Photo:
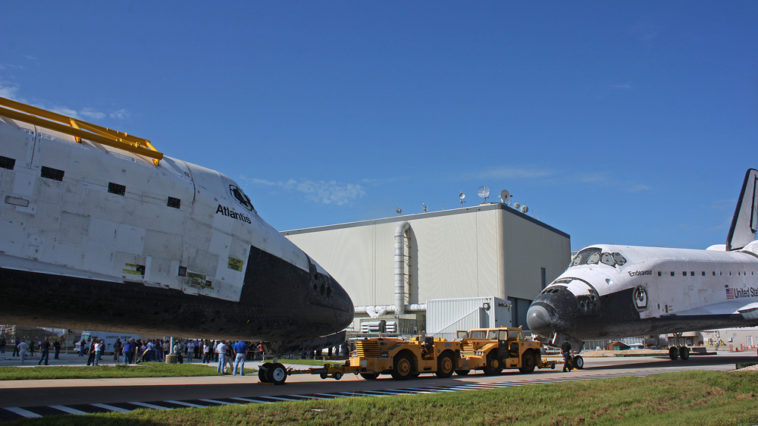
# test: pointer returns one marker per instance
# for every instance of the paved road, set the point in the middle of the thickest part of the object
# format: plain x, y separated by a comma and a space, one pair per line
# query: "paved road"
30, 398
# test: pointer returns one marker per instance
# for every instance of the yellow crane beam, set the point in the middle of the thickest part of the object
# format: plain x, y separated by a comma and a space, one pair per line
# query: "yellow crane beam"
79, 129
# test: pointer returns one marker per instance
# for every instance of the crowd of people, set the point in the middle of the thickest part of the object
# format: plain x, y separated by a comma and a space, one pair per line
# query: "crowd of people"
228, 356
22, 349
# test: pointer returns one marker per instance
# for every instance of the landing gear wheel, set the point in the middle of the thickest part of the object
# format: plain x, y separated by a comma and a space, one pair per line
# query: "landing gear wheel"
278, 374
264, 373
462, 372
493, 365
403, 367
684, 353
578, 362
370, 376
527, 362
445, 365
673, 353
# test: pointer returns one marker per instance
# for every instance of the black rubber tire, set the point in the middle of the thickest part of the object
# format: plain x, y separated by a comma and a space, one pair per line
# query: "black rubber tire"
402, 367
673, 353
337, 375
445, 365
370, 376
263, 372
528, 362
684, 353
462, 372
578, 362
492, 367
278, 374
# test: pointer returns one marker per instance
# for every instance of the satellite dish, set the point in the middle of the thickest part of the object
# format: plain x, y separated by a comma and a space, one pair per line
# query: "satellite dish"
504, 196
524, 208
461, 196
483, 192
516, 205
398, 210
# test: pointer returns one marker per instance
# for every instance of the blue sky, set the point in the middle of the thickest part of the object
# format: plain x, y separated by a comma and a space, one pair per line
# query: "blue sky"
617, 122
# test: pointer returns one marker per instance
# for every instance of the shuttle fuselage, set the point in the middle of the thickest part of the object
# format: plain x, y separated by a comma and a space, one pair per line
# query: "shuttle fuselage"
92, 236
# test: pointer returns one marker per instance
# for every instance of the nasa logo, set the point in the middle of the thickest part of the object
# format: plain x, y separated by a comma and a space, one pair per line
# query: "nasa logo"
640, 298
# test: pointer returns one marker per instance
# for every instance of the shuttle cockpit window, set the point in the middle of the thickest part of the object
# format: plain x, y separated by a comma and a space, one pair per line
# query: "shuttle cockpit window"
241, 197
587, 256
594, 255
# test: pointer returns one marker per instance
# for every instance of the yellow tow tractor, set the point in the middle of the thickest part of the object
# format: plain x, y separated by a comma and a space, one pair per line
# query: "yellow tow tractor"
495, 349
404, 359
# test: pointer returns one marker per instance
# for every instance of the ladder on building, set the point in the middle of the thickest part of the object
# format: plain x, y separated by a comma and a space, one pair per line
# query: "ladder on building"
79, 129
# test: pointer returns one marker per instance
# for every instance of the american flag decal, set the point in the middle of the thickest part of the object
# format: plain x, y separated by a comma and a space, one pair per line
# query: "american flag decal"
729, 293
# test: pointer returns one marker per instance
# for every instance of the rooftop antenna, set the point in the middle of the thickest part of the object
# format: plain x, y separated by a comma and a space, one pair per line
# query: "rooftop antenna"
423, 205
461, 196
483, 192
398, 210
505, 196
524, 209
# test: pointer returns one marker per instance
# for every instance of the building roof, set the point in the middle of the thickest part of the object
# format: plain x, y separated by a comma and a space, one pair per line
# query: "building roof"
462, 210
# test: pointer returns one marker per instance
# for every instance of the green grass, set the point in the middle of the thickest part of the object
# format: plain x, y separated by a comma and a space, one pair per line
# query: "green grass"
146, 369
698, 397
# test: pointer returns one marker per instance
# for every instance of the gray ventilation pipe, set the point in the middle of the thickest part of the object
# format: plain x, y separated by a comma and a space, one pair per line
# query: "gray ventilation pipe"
400, 267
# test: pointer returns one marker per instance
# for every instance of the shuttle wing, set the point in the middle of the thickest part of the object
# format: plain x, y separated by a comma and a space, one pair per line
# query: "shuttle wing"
745, 220
732, 307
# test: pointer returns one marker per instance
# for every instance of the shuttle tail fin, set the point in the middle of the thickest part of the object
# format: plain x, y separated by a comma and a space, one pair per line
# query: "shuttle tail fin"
745, 220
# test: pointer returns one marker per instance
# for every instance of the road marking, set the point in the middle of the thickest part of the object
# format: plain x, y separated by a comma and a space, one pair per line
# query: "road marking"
280, 398
110, 407
24, 413
148, 405
186, 404
215, 401
68, 410
256, 401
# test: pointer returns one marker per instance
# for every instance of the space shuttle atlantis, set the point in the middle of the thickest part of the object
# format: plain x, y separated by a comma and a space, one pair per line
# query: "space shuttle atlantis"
611, 291
99, 230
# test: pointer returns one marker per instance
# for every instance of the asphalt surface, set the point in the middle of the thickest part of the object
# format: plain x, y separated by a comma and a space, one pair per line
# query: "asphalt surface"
31, 398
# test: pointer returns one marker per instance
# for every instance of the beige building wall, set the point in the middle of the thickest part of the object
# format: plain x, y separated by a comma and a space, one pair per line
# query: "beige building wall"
487, 250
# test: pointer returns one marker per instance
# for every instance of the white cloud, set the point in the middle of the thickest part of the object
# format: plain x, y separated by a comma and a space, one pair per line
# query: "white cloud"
509, 172
120, 114
8, 91
622, 86
91, 114
321, 191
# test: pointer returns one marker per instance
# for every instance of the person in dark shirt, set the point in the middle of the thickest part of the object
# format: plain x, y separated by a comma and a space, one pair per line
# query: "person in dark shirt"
57, 348
566, 351
45, 349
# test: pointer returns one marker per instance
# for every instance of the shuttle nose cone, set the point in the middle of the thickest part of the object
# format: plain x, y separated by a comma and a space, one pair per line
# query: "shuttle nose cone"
538, 319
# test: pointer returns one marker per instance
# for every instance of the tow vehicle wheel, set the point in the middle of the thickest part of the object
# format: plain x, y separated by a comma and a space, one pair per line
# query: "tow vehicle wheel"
673, 353
684, 353
278, 374
462, 372
527, 362
403, 367
493, 365
445, 365
370, 376
578, 362
263, 373
337, 375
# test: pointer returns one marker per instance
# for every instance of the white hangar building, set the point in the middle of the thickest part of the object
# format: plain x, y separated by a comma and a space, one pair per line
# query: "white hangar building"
485, 262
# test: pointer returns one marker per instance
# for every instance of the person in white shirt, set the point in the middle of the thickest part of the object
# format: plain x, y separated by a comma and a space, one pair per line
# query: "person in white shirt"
221, 351
22, 348
98, 351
